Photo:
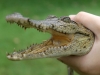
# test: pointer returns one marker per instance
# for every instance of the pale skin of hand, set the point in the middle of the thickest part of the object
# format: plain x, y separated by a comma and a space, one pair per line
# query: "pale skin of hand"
88, 64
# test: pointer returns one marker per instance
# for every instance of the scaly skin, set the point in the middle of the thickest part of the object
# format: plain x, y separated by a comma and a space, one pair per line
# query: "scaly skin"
68, 38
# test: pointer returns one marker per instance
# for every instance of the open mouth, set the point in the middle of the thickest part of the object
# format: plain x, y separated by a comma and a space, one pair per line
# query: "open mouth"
59, 40
63, 31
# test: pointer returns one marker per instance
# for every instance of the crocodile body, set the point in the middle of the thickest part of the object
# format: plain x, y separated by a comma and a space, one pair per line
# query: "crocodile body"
68, 38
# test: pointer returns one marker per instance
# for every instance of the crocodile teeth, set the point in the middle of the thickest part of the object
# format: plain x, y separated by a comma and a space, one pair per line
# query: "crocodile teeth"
58, 29
44, 27
7, 53
37, 26
56, 48
56, 42
55, 27
65, 47
51, 26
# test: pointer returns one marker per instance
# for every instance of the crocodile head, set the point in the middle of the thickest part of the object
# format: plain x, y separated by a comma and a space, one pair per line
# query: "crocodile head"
64, 31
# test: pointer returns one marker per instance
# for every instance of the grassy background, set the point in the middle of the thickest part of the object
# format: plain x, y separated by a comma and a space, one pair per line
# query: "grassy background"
12, 36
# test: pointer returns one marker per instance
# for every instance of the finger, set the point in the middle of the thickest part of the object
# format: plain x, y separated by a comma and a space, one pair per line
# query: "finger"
72, 61
72, 17
88, 20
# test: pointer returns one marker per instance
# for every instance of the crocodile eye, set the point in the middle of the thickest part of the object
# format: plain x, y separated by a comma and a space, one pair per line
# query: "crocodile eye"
66, 19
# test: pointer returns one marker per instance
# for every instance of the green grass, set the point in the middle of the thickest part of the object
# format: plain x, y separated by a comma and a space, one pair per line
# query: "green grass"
12, 36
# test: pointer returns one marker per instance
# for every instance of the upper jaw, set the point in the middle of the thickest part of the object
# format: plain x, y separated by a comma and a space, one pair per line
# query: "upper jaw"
51, 23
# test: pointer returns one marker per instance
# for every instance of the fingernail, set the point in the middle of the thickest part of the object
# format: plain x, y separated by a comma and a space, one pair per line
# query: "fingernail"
72, 16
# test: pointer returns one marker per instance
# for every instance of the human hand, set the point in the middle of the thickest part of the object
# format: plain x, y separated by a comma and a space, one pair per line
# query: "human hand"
88, 64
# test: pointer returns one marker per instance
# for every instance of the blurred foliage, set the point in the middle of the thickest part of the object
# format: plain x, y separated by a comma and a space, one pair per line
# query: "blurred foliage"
12, 36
